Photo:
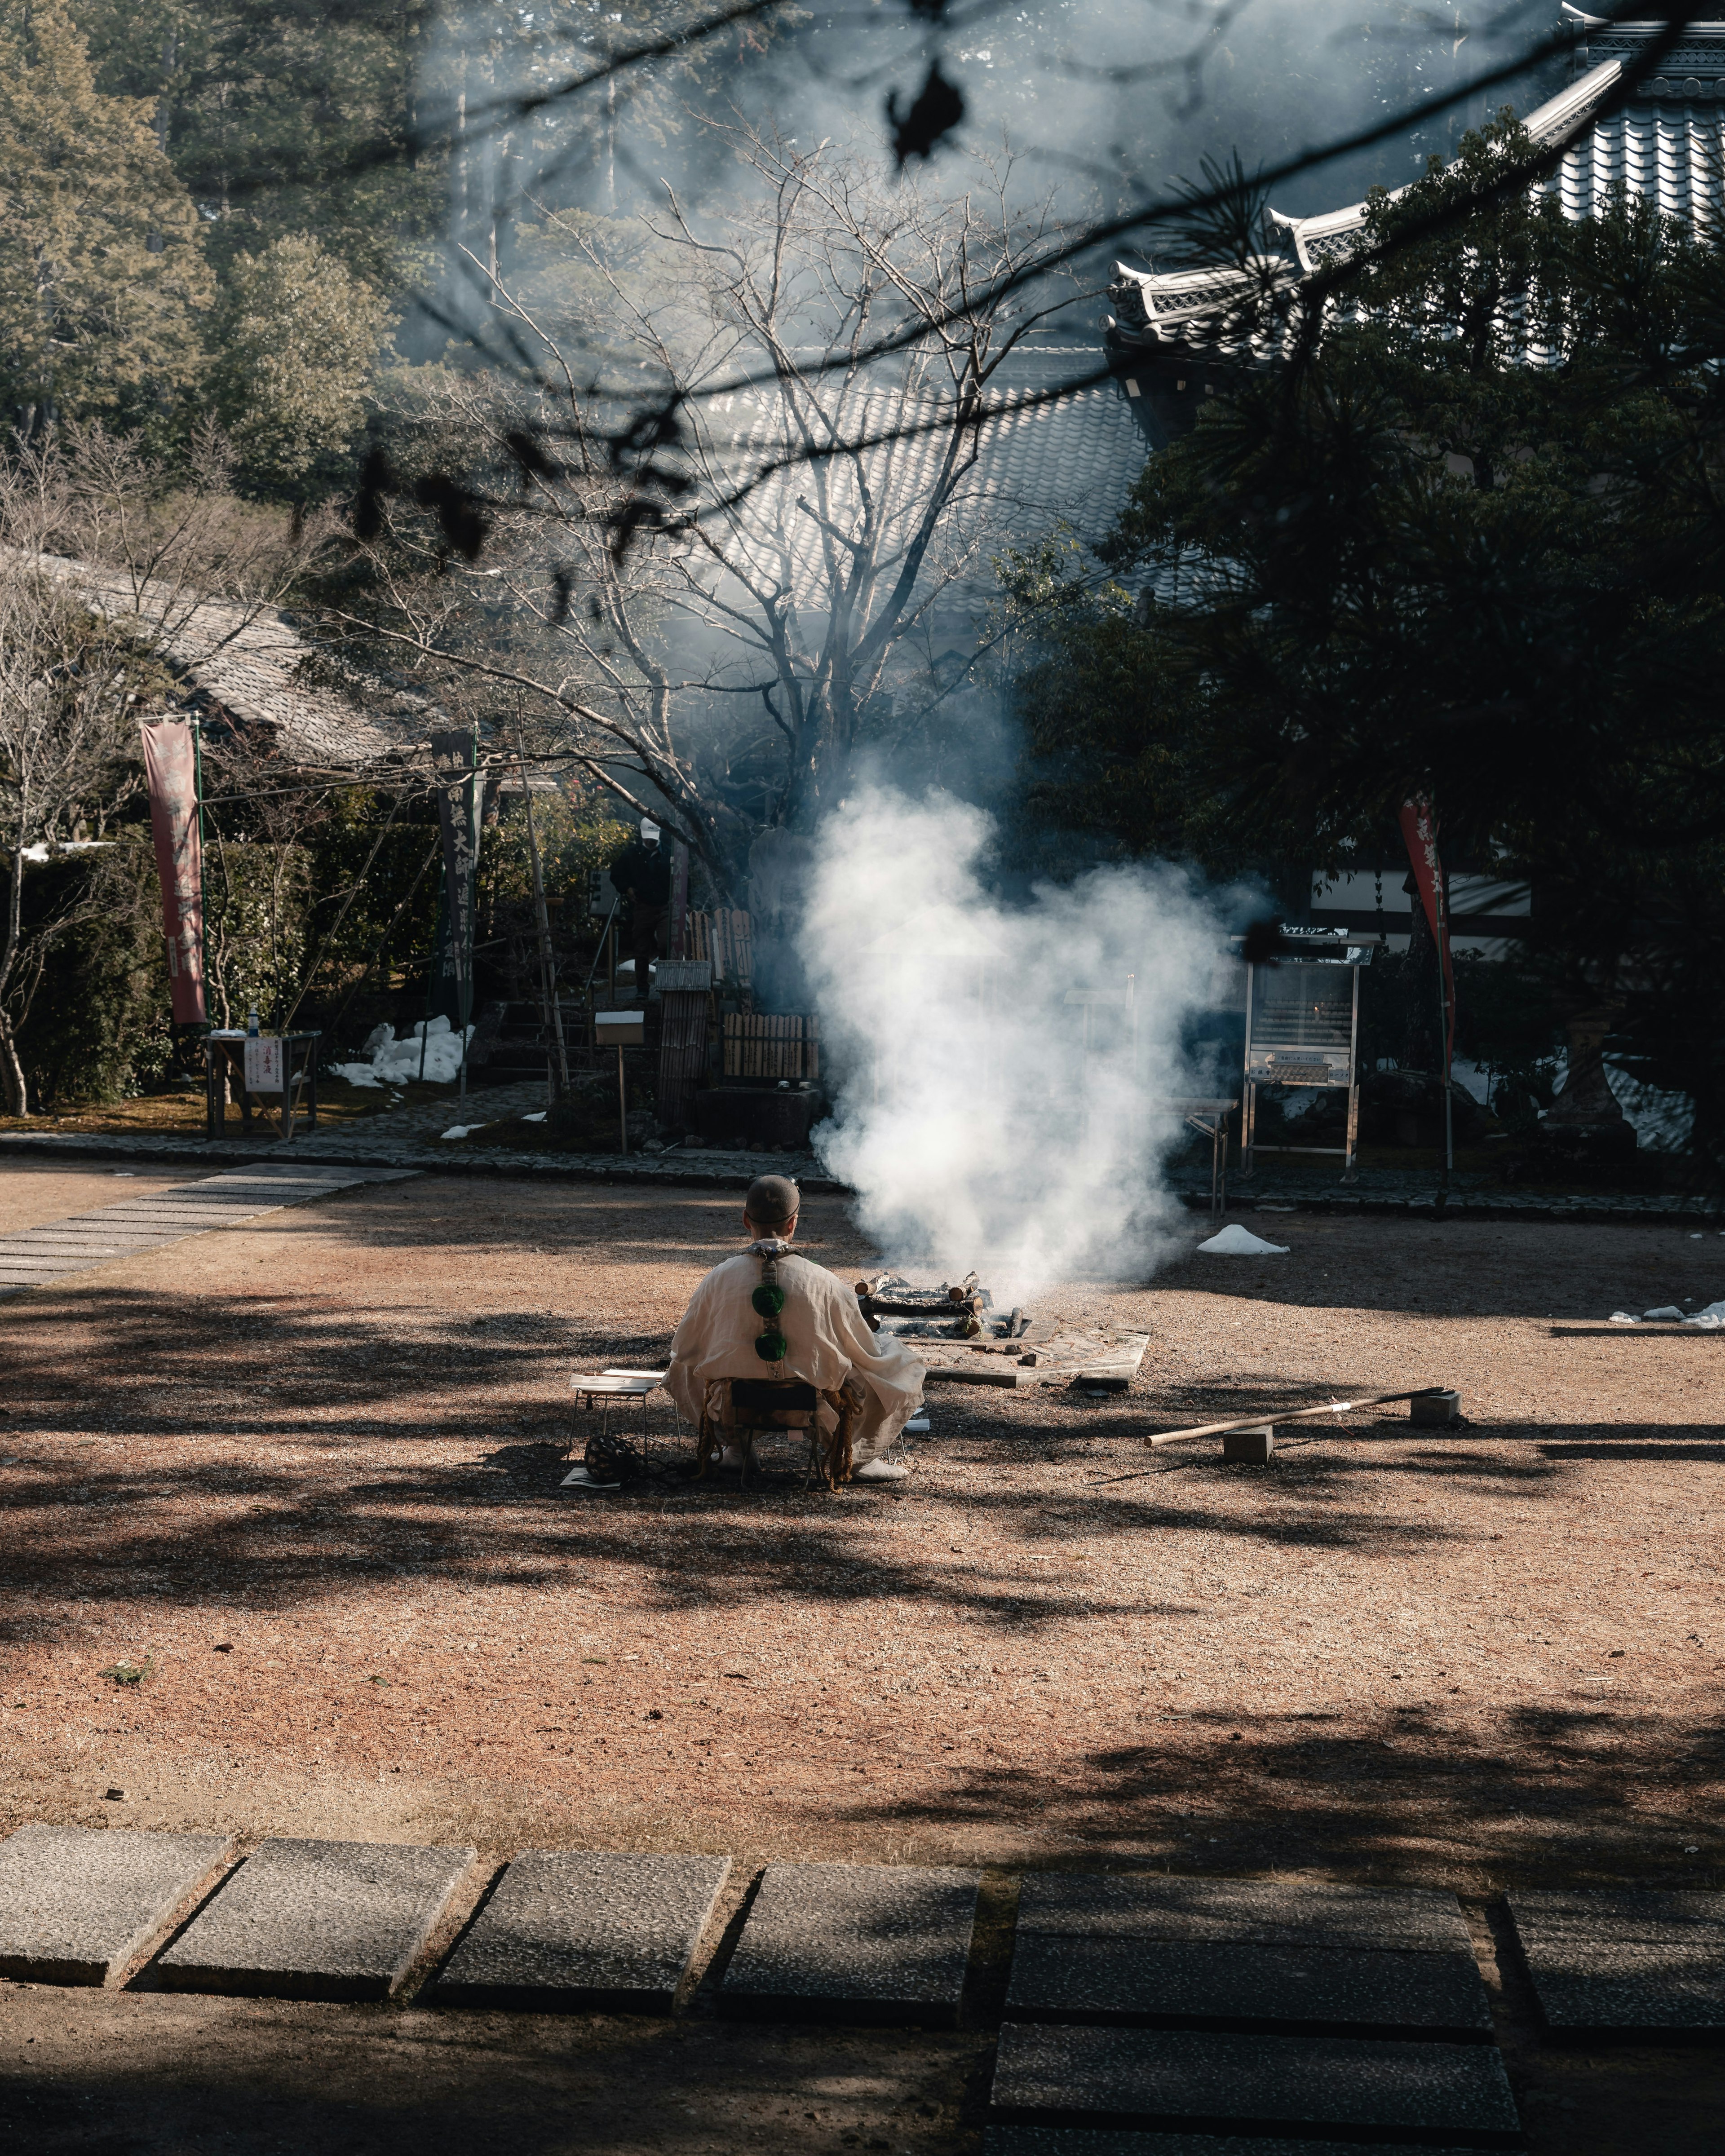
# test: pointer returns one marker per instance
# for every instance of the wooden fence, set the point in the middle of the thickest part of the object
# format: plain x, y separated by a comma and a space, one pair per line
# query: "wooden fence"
767, 1046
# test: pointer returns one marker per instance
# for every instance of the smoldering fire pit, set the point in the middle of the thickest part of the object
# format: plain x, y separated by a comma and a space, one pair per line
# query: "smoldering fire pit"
965, 1312
957, 1332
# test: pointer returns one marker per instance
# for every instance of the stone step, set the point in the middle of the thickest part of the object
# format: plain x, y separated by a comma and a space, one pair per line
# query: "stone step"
77, 1904
1605, 1963
571, 1928
855, 1942
1091, 2141
1236, 1911
316, 1920
1193, 2081
1183, 1952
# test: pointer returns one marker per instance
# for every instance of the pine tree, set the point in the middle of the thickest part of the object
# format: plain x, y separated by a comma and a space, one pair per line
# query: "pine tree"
102, 274
296, 340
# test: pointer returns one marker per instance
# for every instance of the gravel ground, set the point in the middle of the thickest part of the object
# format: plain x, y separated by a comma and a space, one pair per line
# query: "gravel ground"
307, 1472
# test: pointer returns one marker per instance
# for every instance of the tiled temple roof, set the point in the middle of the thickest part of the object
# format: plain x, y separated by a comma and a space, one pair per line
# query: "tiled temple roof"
1047, 454
1667, 146
250, 664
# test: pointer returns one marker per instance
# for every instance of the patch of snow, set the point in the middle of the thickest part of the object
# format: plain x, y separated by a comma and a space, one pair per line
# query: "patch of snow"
1237, 1242
398, 1062
41, 852
539, 1118
1666, 1314
1663, 1122
1712, 1318
1622, 1317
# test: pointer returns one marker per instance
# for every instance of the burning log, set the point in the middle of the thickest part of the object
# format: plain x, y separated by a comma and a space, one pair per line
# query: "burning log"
966, 1290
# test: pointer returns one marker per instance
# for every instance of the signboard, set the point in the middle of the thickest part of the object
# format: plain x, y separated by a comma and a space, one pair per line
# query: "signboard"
263, 1064
619, 1029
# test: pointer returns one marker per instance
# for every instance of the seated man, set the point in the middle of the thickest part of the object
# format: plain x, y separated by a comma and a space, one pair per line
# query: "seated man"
827, 1339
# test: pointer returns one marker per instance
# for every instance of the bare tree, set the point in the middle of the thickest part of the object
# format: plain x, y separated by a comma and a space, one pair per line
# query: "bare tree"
70, 689
777, 536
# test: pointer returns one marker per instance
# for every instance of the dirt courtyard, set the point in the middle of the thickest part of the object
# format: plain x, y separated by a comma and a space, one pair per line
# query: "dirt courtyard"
299, 1476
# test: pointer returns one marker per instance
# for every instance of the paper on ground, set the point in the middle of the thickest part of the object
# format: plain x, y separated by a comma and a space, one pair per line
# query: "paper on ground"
1237, 1242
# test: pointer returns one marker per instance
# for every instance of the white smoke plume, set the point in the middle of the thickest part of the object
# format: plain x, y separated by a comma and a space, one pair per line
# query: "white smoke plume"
985, 1114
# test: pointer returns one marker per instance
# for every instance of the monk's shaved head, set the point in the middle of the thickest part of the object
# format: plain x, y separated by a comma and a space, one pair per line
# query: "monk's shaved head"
772, 1200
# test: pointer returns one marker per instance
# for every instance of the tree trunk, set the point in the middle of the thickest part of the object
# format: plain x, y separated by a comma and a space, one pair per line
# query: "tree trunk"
12, 1071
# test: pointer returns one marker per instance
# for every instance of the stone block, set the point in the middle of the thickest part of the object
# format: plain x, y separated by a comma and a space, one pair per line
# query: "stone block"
575, 1929
1240, 1912
1252, 1447
1056, 1976
316, 1920
1288, 2084
78, 1903
1098, 2141
855, 1942
1434, 1410
1603, 1962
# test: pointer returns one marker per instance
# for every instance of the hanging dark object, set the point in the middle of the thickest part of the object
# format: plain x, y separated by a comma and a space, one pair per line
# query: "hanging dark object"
530, 458
457, 511
1260, 944
562, 585
375, 479
938, 110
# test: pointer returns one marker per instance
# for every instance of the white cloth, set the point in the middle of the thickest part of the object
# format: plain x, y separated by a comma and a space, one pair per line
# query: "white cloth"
828, 1342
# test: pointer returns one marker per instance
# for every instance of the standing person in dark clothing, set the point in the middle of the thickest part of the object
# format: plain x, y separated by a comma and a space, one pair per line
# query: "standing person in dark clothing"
642, 874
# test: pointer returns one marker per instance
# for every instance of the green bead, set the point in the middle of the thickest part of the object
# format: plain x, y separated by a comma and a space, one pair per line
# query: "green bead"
768, 1300
772, 1347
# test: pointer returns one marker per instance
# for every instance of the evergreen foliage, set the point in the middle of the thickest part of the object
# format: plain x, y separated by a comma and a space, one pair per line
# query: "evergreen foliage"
296, 342
102, 276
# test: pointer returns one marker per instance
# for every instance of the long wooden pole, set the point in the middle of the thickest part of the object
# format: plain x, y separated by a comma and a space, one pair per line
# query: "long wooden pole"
1287, 1414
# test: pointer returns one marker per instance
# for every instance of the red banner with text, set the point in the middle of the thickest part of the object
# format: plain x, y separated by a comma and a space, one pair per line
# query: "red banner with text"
171, 764
1419, 829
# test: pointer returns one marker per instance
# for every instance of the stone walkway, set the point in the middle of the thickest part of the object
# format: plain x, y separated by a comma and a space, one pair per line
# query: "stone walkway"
168, 1213
1300, 2008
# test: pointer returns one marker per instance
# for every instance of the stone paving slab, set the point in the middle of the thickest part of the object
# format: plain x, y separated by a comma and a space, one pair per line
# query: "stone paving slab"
855, 1942
575, 1929
1098, 2141
1290, 2085
1238, 1911
1602, 1962
1603, 1914
316, 1920
1056, 1977
78, 1903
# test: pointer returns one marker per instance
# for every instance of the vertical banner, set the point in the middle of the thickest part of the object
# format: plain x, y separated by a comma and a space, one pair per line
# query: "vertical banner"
454, 757
1420, 830
679, 901
170, 765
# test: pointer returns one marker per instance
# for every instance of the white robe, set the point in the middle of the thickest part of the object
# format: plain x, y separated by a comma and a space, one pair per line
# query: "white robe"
828, 1337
